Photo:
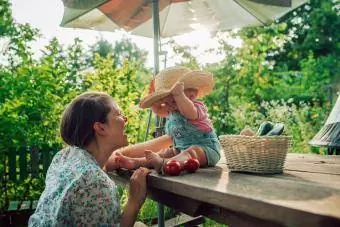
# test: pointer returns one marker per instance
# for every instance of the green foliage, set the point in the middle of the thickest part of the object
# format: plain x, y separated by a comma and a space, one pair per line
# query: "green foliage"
122, 51
125, 50
103, 47
285, 70
313, 27
148, 212
301, 121
123, 85
183, 54
30, 189
6, 20
34, 93
220, 102
208, 223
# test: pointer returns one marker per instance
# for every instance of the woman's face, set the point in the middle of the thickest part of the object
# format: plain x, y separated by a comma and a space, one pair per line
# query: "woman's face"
116, 127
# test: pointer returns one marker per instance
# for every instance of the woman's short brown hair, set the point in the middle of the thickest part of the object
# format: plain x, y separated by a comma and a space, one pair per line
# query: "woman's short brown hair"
76, 127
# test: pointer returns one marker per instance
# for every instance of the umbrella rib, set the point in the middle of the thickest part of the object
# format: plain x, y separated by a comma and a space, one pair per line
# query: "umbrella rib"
165, 19
236, 1
96, 6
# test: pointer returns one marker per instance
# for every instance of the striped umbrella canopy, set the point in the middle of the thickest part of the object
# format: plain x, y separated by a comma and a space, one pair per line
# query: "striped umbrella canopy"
166, 18
176, 17
329, 134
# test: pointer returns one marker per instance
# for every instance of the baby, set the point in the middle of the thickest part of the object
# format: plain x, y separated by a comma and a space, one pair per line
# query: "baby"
188, 131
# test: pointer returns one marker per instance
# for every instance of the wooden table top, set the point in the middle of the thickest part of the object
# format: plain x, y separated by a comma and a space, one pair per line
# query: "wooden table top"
307, 193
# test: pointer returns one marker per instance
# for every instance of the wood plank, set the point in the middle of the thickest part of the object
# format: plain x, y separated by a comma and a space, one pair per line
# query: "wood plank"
34, 204
264, 189
314, 168
293, 197
25, 205
34, 152
23, 164
329, 164
183, 220
312, 158
13, 205
12, 165
246, 198
328, 180
46, 159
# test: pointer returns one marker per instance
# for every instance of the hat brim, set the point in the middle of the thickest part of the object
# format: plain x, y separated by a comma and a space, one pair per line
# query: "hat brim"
200, 80
151, 99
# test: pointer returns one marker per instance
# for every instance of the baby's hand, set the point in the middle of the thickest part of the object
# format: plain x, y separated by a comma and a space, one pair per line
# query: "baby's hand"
159, 109
177, 89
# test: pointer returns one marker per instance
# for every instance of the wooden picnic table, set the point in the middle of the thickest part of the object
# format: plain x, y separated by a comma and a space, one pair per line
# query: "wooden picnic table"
306, 194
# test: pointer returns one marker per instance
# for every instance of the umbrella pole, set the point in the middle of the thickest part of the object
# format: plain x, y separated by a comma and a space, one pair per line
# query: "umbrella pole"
159, 128
155, 16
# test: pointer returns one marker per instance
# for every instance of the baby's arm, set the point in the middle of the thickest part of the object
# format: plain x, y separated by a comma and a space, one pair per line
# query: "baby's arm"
185, 106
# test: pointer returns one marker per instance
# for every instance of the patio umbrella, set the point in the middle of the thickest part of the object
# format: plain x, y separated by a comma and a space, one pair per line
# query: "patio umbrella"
166, 18
175, 16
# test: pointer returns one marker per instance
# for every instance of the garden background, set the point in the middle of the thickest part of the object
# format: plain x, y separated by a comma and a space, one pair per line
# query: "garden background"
288, 71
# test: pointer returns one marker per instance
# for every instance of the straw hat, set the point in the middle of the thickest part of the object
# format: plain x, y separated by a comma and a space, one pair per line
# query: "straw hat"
164, 80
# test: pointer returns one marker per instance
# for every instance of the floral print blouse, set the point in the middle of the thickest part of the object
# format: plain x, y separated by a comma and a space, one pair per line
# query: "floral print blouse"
77, 193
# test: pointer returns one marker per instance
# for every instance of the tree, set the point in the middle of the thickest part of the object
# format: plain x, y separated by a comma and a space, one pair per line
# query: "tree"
311, 60
102, 47
121, 51
222, 99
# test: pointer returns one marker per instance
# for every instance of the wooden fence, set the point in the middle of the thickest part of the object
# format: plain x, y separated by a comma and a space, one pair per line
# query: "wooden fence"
26, 162
19, 165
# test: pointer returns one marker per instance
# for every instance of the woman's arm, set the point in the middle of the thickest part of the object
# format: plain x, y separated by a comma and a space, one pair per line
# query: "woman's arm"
129, 215
156, 144
137, 196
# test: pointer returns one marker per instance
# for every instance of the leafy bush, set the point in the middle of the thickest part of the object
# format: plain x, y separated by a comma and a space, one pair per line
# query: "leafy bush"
302, 121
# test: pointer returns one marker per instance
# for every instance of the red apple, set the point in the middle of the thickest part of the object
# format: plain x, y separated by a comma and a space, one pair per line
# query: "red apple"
172, 168
191, 165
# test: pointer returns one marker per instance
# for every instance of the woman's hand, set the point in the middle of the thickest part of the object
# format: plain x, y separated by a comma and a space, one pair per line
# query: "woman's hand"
137, 190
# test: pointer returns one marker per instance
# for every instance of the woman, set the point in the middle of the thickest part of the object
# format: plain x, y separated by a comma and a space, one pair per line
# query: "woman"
78, 191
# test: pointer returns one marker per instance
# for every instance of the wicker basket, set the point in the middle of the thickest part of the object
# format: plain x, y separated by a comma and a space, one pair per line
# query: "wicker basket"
255, 154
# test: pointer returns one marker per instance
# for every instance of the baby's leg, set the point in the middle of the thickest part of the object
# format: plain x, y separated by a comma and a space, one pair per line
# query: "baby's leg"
168, 152
154, 160
198, 153
121, 161
157, 159
157, 162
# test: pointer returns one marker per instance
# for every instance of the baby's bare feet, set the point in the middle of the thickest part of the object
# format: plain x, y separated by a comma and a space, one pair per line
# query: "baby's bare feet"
127, 163
112, 163
154, 160
120, 161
